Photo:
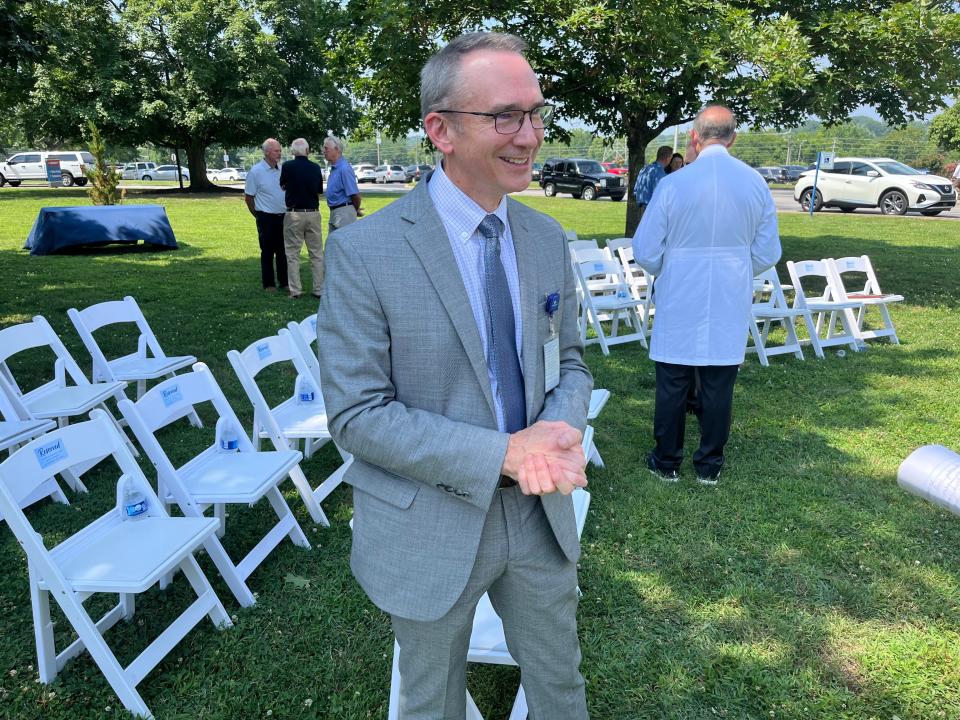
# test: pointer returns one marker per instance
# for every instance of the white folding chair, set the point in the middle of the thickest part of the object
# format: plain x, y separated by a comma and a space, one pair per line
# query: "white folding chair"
828, 306
770, 306
578, 245
488, 643
598, 398
214, 477
113, 554
617, 304
148, 362
639, 280
571, 235
16, 428
869, 294
55, 399
291, 421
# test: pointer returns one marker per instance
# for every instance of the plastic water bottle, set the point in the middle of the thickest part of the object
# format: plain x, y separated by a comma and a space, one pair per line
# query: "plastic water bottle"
133, 502
304, 390
227, 439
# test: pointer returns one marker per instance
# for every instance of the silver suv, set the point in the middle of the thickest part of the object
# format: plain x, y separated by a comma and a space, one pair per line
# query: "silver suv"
893, 187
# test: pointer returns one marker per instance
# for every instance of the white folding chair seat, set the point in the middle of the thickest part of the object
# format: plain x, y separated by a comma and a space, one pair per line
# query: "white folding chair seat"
638, 280
111, 555
56, 399
618, 304
289, 422
770, 306
869, 295
215, 478
835, 323
138, 366
488, 643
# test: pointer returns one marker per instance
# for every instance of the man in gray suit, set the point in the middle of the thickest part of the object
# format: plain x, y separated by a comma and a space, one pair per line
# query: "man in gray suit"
452, 371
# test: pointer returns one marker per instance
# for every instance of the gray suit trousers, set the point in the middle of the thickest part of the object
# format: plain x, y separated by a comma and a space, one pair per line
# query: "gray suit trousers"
533, 587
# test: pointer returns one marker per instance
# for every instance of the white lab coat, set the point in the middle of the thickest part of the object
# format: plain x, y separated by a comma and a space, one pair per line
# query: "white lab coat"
708, 230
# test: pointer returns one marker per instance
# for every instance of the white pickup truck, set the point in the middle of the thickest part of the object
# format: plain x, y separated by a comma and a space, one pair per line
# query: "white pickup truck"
32, 165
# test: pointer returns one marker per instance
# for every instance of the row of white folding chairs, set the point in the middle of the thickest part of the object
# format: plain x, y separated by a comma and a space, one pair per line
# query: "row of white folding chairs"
611, 288
834, 312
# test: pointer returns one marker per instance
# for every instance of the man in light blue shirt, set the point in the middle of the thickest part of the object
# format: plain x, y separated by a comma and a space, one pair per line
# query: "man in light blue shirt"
343, 194
649, 177
266, 203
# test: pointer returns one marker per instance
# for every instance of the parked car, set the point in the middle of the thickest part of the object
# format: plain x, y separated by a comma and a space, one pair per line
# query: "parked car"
537, 167
895, 188
231, 174
32, 165
614, 168
140, 170
169, 172
390, 173
581, 178
772, 174
365, 173
792, 172
415, 172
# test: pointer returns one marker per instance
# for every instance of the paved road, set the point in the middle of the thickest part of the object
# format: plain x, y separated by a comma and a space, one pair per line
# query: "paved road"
786, 203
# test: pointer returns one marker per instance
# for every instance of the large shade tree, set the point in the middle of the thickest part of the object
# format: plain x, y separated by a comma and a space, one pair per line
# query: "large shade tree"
187, 73
636, 68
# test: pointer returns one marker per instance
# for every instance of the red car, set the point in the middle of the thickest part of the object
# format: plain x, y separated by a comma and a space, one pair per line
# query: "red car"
614, 168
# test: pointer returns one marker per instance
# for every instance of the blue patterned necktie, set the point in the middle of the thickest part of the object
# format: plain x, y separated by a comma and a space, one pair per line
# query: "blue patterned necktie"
502, 357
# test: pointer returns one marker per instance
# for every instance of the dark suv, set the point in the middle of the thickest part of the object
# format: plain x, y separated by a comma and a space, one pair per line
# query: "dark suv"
581, 178
772, 174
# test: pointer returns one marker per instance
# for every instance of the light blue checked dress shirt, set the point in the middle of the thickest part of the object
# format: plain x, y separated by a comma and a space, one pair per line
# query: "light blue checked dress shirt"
461, 216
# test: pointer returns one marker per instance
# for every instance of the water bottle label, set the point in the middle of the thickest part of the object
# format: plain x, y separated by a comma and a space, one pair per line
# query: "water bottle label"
50, 453
313, 322
598, 267
307, 396
171, 395
263, 351
230, 443
134, 509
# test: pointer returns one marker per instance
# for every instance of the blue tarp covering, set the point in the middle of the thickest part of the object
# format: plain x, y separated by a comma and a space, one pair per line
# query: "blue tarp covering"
59, 228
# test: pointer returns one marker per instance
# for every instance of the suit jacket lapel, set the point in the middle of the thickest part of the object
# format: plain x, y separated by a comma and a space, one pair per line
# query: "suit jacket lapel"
525, 247
428, 238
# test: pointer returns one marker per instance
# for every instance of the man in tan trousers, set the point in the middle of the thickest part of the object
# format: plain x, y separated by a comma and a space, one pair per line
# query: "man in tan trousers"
302, 183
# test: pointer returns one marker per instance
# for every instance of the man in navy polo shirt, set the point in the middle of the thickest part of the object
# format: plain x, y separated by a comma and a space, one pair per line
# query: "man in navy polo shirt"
302, 181
343, 194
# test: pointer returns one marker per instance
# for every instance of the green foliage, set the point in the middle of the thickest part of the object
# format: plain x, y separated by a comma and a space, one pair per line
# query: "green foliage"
945, 129
104, 180
807, 585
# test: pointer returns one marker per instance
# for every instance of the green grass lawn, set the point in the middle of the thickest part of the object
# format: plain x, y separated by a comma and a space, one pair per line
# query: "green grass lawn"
807, 585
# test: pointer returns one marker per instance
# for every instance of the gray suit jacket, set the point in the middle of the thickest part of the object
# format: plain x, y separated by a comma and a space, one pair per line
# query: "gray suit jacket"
406, 390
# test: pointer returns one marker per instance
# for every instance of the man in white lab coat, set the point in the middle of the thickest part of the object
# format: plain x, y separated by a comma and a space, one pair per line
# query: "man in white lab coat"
707, 232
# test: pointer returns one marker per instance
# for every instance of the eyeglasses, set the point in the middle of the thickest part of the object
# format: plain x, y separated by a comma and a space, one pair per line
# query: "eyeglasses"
509, 122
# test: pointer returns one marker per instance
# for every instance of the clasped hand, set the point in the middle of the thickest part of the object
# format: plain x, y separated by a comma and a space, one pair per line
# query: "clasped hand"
545, 458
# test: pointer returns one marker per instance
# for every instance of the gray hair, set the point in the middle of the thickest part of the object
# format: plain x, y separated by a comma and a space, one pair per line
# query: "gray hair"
439, 78
333, 140
712, 125
266, 143
300, 147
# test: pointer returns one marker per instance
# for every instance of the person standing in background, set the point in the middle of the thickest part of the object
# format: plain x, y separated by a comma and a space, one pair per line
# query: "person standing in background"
302, 182
707, 233
650, 176
266, 203
343, 194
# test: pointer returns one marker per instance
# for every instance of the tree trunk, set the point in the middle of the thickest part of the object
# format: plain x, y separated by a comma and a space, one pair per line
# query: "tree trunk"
638, 136
197, 164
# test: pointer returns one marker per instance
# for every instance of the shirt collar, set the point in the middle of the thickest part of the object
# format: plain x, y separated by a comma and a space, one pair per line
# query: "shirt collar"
713, 149
459, 211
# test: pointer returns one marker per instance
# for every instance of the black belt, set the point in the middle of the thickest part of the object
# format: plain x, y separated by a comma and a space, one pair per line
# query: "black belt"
506, 482
302, 210
337, 207
264, 212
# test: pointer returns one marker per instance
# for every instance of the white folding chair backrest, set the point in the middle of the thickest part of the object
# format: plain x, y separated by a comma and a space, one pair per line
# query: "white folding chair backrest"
578, 245
111, 555
36, 334
213, 477
803, 269
768, 292
830, 305
866, 290
95, 317
303, 342
571, 235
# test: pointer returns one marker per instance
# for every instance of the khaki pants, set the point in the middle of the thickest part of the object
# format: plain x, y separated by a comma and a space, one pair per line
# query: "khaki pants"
300, 228
341, 217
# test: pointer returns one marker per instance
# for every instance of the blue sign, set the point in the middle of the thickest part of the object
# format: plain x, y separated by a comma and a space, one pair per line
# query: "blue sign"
50, 453
54, 174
